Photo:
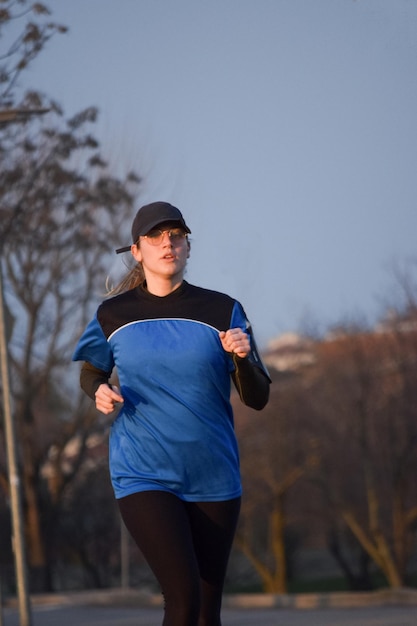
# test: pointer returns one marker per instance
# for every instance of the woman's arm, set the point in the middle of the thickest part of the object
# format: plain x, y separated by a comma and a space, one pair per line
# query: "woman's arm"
251, 382
95, 383
91, 378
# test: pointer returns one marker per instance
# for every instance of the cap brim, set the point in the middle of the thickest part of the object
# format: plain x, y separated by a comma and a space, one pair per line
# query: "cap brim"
125, 249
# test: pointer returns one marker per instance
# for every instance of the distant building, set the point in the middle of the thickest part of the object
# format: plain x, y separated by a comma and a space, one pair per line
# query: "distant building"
289, 352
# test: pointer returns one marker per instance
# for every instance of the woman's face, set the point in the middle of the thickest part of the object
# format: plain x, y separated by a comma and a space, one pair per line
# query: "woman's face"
165, 259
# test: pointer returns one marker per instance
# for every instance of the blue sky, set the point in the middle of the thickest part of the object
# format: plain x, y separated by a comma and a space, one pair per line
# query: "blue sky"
285, 130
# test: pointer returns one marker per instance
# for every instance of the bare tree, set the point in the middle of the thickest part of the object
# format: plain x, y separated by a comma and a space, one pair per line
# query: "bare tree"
61, 215
25, 29
335, 454
365, 398
275, 454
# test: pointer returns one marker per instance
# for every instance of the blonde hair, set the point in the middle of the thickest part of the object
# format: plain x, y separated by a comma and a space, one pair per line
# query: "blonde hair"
133, 278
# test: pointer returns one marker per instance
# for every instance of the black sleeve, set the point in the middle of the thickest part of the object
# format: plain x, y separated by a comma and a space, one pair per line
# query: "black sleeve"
251, 381
91, 378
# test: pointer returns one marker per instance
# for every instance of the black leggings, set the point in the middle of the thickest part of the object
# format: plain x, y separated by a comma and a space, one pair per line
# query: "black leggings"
187, 546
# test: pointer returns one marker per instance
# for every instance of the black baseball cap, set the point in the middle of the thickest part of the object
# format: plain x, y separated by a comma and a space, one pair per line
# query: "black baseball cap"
150, 216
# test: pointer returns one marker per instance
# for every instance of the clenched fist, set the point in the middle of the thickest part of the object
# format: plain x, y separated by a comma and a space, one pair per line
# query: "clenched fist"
235, 340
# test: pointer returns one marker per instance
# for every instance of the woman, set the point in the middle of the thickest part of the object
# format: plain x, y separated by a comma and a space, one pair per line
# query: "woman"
173, 453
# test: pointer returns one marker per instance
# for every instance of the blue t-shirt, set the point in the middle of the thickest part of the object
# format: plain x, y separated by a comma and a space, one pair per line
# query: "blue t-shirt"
175, 430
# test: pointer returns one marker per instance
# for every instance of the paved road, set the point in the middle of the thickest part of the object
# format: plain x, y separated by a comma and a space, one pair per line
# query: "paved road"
93, 616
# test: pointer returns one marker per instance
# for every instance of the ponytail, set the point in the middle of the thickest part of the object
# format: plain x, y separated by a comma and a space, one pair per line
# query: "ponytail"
133, 278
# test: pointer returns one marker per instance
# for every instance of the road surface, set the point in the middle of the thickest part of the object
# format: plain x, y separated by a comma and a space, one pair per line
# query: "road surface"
111, 616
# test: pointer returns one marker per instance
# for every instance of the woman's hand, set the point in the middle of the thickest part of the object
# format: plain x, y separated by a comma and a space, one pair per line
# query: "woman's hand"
107, 397
235, 340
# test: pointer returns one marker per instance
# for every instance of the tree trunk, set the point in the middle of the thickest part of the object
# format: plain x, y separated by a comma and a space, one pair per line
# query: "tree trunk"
377, 548
35, 544
278, 546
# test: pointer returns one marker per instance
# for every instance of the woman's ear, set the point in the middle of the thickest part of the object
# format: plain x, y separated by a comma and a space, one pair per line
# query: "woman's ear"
136, 252
188, 249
